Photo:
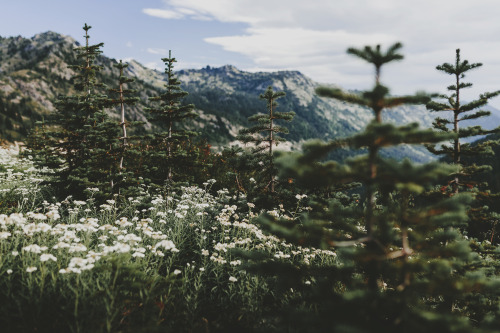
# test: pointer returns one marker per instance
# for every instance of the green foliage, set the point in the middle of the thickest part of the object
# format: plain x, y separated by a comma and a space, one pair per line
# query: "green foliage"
460, 112
81, 140
262, 157
376, 57
466, 155
169, 155
16, 118
402, 257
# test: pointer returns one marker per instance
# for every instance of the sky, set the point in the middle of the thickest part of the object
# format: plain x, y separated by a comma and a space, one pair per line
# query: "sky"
269, 35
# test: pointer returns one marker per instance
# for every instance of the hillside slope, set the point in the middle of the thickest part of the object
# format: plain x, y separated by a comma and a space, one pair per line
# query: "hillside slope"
34, 72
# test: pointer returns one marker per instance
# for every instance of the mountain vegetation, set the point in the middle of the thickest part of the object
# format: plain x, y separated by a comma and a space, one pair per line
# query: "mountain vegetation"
264, 135
35, 71
482, 218
170, 113
118, 216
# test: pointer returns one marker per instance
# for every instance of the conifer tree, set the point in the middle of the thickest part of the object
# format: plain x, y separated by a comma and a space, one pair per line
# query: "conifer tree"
377, 99
170, 113
81, 134
482, 219
399, 260
266, 123
461, 112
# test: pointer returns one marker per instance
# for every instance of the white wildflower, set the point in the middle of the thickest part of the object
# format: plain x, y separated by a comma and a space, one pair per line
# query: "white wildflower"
47, 256
36, 216
123, 222
53, 215
16, 219
105, 207
34, 248
166, 244
103, 238
31, 269
61, 245
78, 247
5, 234
138, 254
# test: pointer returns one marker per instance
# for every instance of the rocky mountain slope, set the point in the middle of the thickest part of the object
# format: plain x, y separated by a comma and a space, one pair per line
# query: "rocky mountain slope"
34, 72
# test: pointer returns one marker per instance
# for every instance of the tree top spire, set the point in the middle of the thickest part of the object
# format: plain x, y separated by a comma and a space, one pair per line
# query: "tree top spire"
377, 57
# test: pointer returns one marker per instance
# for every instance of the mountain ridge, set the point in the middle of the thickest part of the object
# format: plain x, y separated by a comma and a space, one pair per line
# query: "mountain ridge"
35, 71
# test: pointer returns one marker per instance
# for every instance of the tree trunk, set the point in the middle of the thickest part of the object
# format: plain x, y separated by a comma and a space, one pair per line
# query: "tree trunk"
271, 164
456, 153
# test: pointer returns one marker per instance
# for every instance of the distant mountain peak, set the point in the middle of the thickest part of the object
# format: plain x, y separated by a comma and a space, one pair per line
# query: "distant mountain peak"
51, 36
229, 68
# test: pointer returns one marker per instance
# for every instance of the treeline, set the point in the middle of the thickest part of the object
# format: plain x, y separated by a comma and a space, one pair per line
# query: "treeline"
417, 242
86, 148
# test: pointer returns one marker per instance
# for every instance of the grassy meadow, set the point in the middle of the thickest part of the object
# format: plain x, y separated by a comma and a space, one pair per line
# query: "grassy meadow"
160, 262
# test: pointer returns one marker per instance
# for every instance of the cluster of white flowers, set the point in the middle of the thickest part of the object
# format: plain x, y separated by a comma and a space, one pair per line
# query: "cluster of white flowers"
34, 248
47, 257
86, 233
300, 196
64, 241
19, 175
244, 234
167, 245
77, 265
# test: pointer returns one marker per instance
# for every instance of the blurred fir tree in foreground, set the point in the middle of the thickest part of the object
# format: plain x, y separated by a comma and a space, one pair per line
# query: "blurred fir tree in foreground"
403, 265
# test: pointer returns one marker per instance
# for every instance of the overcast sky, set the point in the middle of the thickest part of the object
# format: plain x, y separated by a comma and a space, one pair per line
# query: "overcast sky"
267, 35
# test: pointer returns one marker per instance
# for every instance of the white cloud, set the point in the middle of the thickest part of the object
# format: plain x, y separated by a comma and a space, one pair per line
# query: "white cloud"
154, 65
292, 46
163, 13
129, 44
176, 13
312, 36
161, 52
246, 11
